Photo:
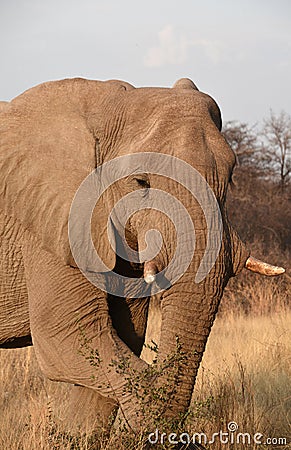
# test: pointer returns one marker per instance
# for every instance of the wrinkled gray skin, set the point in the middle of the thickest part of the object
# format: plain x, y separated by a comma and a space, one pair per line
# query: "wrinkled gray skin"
52, 137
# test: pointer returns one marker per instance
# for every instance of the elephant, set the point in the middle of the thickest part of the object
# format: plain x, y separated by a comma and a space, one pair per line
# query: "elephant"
53, 137
3, 105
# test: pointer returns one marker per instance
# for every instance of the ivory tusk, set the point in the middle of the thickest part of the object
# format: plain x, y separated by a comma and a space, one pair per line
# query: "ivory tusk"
150, 271
257, 266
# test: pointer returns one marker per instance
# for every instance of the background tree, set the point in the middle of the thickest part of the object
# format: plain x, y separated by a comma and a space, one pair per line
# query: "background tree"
243, 140
276, 147
261, 213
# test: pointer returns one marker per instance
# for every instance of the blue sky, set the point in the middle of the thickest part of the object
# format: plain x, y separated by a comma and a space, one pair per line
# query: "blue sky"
237, 51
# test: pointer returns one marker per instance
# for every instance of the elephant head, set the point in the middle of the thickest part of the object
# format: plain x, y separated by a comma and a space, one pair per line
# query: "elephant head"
162, 140
3, 105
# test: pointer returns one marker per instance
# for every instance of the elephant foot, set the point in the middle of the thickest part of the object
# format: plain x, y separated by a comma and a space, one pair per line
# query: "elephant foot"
88, 411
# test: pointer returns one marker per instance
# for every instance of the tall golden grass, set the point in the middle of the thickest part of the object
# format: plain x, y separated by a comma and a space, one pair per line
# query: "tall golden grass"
245, 378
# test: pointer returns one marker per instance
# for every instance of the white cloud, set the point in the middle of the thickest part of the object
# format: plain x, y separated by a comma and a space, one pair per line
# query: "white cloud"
175, 48
171, 49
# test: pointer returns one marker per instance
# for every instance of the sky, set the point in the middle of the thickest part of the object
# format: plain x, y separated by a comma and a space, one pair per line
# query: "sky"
238, 51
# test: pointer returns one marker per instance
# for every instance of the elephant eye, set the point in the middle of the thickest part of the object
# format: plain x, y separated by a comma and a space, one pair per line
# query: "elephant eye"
143, 182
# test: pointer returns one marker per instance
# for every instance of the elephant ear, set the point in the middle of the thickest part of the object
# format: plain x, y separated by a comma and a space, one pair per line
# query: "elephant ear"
47, 150
185, 83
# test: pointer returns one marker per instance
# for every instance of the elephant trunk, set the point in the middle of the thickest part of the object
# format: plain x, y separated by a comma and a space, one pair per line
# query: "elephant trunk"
183, 339
188, 311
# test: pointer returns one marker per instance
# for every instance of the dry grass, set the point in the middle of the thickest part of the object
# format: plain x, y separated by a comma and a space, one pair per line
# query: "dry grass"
245, 377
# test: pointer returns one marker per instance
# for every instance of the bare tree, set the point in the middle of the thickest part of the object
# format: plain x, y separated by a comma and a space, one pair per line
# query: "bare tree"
276, 150
260, 211
243, 140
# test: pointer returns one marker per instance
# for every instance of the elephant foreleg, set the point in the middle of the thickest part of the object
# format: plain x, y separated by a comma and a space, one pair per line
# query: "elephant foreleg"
70, 320
153, 330
14, 316
88, 411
